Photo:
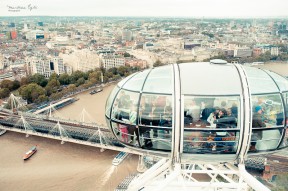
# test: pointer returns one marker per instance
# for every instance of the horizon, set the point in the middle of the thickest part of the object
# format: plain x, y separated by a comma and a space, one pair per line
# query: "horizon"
169, 17
149, 8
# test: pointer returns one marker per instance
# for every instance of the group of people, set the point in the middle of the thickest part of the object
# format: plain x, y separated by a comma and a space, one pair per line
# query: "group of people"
153, 111
125, 110
214, 117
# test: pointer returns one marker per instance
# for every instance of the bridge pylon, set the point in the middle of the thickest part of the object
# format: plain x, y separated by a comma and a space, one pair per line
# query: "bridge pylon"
59, 131
26, 126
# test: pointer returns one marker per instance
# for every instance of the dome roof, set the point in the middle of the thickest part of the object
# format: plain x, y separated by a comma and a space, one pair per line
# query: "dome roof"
199, 110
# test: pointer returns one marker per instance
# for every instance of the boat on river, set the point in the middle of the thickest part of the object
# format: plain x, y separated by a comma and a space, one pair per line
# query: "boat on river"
119, 158
96, 91
29, 153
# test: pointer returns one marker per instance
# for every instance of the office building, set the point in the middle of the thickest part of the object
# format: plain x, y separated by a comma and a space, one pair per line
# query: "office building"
112, 60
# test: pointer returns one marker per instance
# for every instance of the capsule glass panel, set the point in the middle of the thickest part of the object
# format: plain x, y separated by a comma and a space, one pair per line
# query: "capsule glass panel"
267, 122
110, 100
122, 82
211, 124
259, 81
209, 79
136, 83
285, 139
155, 122
159, 80
280, 80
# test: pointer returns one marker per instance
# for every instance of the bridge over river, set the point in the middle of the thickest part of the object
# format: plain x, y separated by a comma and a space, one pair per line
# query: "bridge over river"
64, 130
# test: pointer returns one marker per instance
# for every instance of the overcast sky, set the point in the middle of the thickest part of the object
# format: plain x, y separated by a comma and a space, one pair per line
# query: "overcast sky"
172, 8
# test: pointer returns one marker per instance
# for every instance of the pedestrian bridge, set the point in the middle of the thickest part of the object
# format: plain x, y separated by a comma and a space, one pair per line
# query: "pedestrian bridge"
90, 134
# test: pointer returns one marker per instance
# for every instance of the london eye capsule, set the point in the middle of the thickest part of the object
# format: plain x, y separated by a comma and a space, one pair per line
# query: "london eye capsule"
206, 111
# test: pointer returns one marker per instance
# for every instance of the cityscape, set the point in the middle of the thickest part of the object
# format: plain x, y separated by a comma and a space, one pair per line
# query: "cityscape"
52, 65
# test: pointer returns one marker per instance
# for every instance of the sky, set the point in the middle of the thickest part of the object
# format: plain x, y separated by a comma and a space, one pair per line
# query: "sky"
158, 8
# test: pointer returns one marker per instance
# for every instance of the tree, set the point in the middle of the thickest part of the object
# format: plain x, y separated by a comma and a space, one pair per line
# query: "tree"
31, 92
64, 79
116, 77
283, 48
113, 70
4, 92
7, 84
126, 54
11, 85
56, 96
16, 85
75, 76
38, 79
158, 63
80, 81
71, 87
95, 77
24, 81
53, 76
41, 99
122, 70
52, 86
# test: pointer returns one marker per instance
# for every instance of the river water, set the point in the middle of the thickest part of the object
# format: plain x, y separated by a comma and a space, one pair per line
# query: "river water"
90, 108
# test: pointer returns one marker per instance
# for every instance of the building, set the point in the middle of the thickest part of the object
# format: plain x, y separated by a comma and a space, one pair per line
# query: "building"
136, 63
82, 60
58, 65
242, 53
274, 51
256, 52
35, 34
13, 35
40, 24
148, 46
45, 66
68, 69
190, 45
127, 35
112, 60
12, 25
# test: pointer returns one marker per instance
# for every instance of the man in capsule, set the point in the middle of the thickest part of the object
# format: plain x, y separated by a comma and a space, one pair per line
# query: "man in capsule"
257, 122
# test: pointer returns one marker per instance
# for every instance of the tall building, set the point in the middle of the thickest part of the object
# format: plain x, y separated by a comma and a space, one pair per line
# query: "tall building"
127, 35
82, 60
112, 60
